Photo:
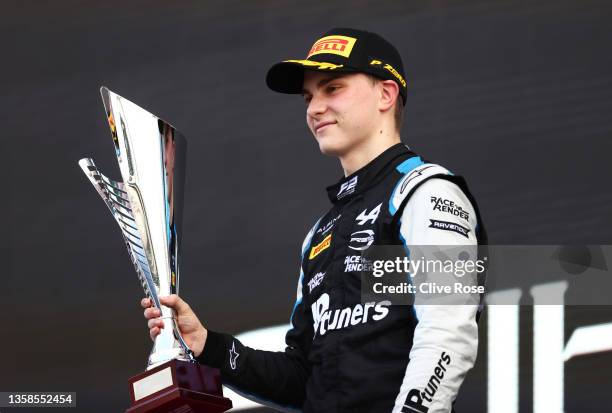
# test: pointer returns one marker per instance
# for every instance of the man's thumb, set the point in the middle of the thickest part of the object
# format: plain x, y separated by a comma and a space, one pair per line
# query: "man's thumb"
175, 302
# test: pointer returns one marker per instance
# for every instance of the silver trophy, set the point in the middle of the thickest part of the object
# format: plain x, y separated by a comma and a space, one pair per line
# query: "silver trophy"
147, 206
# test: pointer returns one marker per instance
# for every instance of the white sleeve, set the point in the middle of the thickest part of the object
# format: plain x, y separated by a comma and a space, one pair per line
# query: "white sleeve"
446, 336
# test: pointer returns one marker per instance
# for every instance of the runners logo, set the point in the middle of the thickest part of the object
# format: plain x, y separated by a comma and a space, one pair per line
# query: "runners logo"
340, 45
322, 246
325, 320
416, 399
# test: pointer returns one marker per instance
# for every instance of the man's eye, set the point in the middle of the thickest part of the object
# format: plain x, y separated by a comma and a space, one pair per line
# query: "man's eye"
332, 88
307, 98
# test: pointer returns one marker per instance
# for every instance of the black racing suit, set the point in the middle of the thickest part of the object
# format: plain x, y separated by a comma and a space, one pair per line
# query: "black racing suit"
346, 356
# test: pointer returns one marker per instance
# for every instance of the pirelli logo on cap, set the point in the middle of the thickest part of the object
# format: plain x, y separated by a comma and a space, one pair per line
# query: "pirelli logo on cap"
322, 246
340, 45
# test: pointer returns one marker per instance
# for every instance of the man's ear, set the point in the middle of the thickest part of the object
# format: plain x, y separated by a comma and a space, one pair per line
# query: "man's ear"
389, 91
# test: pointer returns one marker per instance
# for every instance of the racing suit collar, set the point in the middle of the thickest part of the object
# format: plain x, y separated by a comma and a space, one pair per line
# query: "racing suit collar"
348, 187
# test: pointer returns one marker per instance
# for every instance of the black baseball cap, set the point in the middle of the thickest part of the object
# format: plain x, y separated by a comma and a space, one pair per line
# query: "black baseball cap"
341, 50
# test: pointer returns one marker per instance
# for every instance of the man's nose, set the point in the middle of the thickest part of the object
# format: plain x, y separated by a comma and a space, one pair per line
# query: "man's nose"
316, 106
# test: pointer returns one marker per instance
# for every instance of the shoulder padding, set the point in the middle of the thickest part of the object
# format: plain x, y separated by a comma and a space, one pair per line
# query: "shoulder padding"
408, 184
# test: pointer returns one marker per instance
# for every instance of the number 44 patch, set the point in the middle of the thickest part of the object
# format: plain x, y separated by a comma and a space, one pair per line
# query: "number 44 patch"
366, 216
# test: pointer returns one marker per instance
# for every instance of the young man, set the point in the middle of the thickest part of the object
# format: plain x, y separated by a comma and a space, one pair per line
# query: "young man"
343, 355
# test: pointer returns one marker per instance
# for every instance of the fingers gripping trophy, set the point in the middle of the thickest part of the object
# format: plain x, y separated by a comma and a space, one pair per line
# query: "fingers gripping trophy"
147, 206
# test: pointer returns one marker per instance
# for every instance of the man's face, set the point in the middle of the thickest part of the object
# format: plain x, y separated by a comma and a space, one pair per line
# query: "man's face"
342, 110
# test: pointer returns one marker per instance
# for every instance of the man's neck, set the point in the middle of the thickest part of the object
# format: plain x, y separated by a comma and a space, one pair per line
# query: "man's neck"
365, 153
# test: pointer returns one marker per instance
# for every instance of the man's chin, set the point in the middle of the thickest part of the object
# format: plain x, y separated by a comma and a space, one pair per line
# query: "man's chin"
330, 148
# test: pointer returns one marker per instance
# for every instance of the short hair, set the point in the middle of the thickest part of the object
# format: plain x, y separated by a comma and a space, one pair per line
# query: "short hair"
398, 114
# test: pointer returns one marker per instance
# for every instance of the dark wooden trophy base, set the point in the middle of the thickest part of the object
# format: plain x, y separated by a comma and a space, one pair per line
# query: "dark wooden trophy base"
178, 387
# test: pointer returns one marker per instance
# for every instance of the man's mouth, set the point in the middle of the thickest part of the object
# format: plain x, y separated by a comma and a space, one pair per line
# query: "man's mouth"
319, 127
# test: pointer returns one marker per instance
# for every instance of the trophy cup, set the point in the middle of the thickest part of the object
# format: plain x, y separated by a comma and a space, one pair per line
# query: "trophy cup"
147, 205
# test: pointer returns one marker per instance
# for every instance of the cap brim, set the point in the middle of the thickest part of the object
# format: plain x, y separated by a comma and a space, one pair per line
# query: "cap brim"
288, 76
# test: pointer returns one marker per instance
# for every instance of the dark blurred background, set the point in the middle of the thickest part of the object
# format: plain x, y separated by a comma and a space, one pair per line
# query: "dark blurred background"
514, 95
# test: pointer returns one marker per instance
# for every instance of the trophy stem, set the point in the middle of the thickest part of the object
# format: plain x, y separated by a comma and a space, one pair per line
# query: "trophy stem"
167, 346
